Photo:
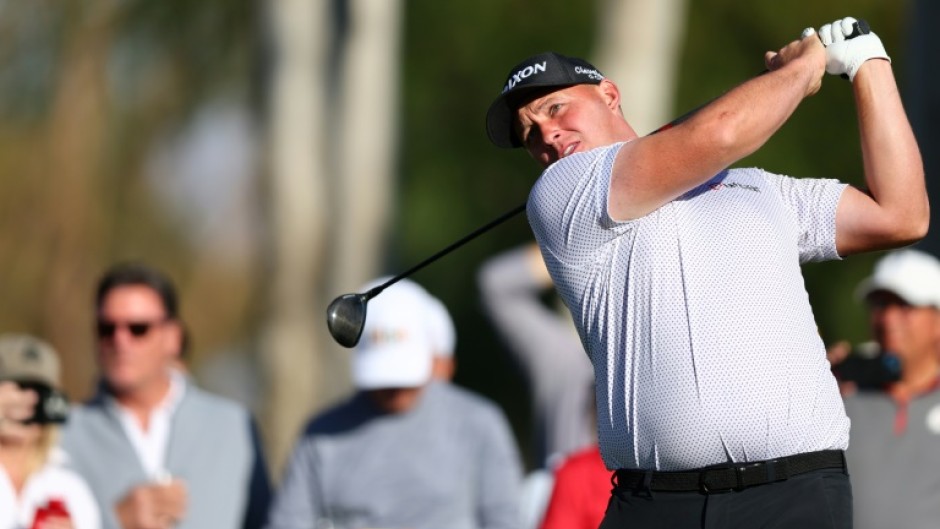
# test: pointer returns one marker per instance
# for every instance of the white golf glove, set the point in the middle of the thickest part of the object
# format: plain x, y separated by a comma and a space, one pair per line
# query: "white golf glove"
845, 53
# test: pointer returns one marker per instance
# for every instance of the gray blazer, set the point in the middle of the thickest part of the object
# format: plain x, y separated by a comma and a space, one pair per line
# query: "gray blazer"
213, 447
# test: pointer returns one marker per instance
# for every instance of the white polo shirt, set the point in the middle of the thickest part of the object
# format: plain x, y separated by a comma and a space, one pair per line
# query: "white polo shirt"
696, 317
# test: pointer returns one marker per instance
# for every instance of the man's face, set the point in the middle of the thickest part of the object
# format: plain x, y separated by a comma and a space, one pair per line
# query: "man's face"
578, 118
136, 342
908, 331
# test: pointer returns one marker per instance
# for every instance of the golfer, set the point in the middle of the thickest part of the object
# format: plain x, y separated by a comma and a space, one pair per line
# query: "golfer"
715, 402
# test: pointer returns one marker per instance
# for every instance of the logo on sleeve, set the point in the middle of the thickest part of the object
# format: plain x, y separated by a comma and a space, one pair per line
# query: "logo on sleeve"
717, 186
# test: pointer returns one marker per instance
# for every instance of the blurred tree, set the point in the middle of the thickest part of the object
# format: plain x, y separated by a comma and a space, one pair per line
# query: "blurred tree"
333, 112
298, 215
638, 45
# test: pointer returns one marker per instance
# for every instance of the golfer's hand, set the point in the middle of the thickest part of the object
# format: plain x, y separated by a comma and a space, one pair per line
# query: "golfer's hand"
845, 52
16, 405
152, 506
808, 52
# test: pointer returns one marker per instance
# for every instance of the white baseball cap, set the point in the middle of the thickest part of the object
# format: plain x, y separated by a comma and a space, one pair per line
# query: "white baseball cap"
912, 275
441, 327
395, 350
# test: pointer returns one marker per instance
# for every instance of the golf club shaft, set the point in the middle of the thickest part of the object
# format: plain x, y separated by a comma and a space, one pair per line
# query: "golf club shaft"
453, 246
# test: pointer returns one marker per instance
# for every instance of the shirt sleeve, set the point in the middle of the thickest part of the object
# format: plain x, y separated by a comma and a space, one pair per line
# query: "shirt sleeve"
813, 201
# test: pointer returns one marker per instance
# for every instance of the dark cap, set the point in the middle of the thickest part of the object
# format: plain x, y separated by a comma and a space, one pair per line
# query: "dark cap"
545, 70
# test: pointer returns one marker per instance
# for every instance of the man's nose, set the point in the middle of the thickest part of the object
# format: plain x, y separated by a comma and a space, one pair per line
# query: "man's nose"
550, 132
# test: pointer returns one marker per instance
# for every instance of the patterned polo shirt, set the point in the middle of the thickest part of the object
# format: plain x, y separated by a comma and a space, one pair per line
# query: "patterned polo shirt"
696, 316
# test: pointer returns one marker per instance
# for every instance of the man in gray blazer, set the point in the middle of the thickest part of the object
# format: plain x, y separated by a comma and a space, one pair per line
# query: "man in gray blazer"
157, 451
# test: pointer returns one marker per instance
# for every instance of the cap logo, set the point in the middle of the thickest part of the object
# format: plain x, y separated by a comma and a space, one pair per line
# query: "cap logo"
593, 74
525, 73
380, 336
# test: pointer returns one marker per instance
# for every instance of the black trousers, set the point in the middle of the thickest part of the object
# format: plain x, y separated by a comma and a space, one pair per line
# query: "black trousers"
821, 499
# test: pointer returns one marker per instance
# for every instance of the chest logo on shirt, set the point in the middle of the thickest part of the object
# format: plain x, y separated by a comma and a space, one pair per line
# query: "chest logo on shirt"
933, 420
716, 186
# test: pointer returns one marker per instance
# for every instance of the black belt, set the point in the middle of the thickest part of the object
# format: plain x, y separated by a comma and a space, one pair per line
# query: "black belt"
732, 476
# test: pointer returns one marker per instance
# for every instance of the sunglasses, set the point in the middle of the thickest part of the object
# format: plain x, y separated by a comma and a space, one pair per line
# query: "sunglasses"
138, 329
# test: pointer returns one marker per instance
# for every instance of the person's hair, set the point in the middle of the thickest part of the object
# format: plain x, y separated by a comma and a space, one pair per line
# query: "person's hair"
48, 439
138, 274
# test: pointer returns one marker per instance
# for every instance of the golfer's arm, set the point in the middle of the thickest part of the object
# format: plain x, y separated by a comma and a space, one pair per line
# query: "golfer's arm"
656, 169
895, 211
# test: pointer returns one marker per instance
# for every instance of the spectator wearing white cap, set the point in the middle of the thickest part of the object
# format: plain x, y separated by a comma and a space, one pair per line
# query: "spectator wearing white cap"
36, 488
894, 453
402, 451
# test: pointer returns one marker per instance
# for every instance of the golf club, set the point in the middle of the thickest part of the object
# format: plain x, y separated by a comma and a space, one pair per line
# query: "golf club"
346, 315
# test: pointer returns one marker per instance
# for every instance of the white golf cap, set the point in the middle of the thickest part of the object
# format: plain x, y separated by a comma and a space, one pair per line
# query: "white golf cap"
912, 275
441, 328
395, 350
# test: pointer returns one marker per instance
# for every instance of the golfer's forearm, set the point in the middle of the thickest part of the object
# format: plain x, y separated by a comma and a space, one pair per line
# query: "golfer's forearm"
894, 171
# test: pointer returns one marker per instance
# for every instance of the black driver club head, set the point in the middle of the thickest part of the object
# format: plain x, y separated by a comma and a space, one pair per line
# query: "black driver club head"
345, 318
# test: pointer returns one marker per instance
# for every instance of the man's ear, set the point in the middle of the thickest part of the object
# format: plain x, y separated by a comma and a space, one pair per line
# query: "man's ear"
936, 326
173, 337
611, 94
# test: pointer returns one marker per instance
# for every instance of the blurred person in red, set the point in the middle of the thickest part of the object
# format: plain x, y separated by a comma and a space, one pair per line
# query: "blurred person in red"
580, 492
37, 489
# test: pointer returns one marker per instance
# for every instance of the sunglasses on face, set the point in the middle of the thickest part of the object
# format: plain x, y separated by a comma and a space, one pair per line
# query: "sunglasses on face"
138, 329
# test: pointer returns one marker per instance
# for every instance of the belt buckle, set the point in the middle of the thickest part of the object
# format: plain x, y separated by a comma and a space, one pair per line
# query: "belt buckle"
758, 467
767, 471
703, 480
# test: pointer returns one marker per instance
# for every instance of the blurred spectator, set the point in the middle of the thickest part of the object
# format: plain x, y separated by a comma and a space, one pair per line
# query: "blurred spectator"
156, 450
547, 348
893, 456
558, 372
403, 451
580, 492
33, 474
